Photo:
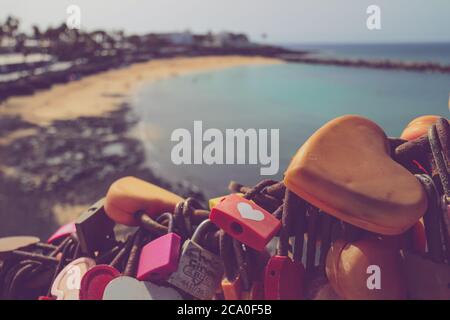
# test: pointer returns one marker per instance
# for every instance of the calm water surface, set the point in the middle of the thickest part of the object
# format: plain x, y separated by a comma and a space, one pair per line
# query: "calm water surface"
295, 98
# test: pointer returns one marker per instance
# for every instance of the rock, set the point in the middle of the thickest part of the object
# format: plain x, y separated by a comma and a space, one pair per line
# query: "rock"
70, 162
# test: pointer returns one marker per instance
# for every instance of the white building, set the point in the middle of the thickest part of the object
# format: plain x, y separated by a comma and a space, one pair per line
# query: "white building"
178, 38
228, 39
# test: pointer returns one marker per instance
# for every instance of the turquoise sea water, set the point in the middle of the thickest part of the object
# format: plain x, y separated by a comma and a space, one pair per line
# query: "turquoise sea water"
295, 98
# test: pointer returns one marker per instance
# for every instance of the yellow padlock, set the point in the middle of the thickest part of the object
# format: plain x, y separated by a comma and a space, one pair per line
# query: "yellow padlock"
214, 201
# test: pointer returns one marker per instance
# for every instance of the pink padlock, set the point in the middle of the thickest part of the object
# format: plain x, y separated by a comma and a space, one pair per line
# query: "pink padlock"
62, 232
159, 258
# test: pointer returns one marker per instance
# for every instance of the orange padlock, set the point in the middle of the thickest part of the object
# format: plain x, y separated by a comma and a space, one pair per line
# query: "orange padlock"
367, 269
418, 127
346, 170
232, 290
130, 195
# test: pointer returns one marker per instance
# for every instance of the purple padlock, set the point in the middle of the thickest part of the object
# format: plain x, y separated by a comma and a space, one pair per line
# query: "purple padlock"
62, 232
159, 258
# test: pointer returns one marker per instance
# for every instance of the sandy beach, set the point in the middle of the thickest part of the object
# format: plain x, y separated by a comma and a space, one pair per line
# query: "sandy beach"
62, 147
104, 92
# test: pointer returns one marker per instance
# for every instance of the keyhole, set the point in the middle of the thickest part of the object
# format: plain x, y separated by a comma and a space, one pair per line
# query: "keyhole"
236, 228
273, 273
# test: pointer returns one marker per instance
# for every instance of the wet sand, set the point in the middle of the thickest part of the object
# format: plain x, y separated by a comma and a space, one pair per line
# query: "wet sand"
61, 148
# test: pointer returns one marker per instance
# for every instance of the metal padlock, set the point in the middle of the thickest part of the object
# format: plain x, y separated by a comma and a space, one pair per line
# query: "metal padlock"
199, 271
159, 258
95, 229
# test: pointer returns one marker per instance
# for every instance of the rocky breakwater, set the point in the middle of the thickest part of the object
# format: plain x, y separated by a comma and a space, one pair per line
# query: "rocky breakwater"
373, 64
48, 173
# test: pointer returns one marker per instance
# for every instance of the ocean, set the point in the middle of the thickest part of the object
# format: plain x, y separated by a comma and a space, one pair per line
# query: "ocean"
422, 52
297, 99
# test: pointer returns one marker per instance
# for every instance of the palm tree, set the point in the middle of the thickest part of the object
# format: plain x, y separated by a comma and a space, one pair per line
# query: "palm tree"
12, 25
2, 34
36, 32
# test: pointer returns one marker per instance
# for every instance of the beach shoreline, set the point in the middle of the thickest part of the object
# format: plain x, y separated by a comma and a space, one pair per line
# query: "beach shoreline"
60, 148
104, 92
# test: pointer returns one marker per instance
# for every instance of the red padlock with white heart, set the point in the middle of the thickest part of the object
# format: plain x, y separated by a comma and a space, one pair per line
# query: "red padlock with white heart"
245, 221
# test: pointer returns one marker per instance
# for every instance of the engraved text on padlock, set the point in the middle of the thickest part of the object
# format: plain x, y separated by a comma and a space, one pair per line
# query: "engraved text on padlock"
199, 271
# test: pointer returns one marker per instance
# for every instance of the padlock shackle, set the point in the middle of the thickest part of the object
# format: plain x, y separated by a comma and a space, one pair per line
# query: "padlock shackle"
267, 195
150, 225
65, 250
244, 264
293, 222
300, 226
184, 216
124, 250
228, 257
169, 217
183, 229
235, 260
133, 258
190, 204
19, 270
286, 225
201, 230
432, 218
260, 196
258, 188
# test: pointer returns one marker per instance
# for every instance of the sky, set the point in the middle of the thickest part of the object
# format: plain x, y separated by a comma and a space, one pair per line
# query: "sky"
284, 21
